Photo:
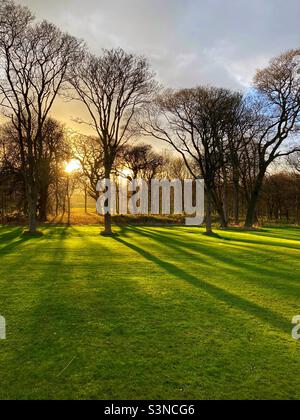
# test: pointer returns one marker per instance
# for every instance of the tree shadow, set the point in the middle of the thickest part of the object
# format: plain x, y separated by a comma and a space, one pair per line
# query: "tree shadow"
254, 270
11, 247
220, 294
9, 234
276, 232
118, 331
269, 243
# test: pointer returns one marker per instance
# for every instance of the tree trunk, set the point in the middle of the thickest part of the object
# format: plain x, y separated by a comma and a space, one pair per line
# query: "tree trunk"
3, 206
208, 214
64, 206
43, 204
56, 199
251, 212
107, 224
32, 208
69, 201
32, 219
236, 201
223, 221
107, 217
225, 199
220, 210
85, 200
298, 209
214, 199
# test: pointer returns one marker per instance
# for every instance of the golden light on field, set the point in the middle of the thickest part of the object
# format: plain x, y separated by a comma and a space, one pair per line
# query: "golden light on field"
72, 166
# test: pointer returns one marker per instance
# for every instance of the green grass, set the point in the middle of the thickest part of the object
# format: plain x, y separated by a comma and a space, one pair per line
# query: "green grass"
154, 313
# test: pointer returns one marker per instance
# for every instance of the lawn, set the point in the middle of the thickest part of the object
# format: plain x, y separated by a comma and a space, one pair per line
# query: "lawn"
153, 313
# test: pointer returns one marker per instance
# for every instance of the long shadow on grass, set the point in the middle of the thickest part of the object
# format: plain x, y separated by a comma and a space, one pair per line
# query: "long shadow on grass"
9, 234
43, 318
273, 238
279, 232
16, 240
231, 262
265, 315
59, 326
278, 244
12, 246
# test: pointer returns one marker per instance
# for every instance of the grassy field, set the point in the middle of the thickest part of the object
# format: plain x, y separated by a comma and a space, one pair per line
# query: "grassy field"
154, 313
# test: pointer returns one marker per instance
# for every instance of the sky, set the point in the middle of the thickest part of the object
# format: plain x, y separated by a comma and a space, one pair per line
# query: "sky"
188, 42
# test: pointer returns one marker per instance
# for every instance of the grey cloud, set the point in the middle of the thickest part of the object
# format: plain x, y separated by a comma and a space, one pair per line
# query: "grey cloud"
189, 42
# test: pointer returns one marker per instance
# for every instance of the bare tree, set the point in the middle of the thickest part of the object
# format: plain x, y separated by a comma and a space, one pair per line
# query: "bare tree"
142, 161
174, 167
89, 153
136, 158
294, 162
34, 60
248, 169
197, 123
278, 110
241, 131
11, 181
53, 148
279, 200
112, 87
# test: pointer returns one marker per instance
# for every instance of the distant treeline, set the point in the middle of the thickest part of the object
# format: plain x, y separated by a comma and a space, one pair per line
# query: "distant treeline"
231, 140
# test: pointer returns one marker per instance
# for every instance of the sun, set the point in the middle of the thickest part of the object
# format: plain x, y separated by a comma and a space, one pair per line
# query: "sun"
72, 166
126, 173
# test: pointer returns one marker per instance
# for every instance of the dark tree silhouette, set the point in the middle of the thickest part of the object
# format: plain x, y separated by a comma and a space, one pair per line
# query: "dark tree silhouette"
53, 149
198, 124
89, 153
278, 110
34, 60
142, 161
112, 87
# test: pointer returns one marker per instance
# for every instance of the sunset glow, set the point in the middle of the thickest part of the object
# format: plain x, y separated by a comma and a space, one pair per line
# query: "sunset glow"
72, 166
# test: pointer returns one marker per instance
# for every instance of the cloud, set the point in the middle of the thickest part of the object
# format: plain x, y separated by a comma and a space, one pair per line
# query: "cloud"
188, 42
240, 70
